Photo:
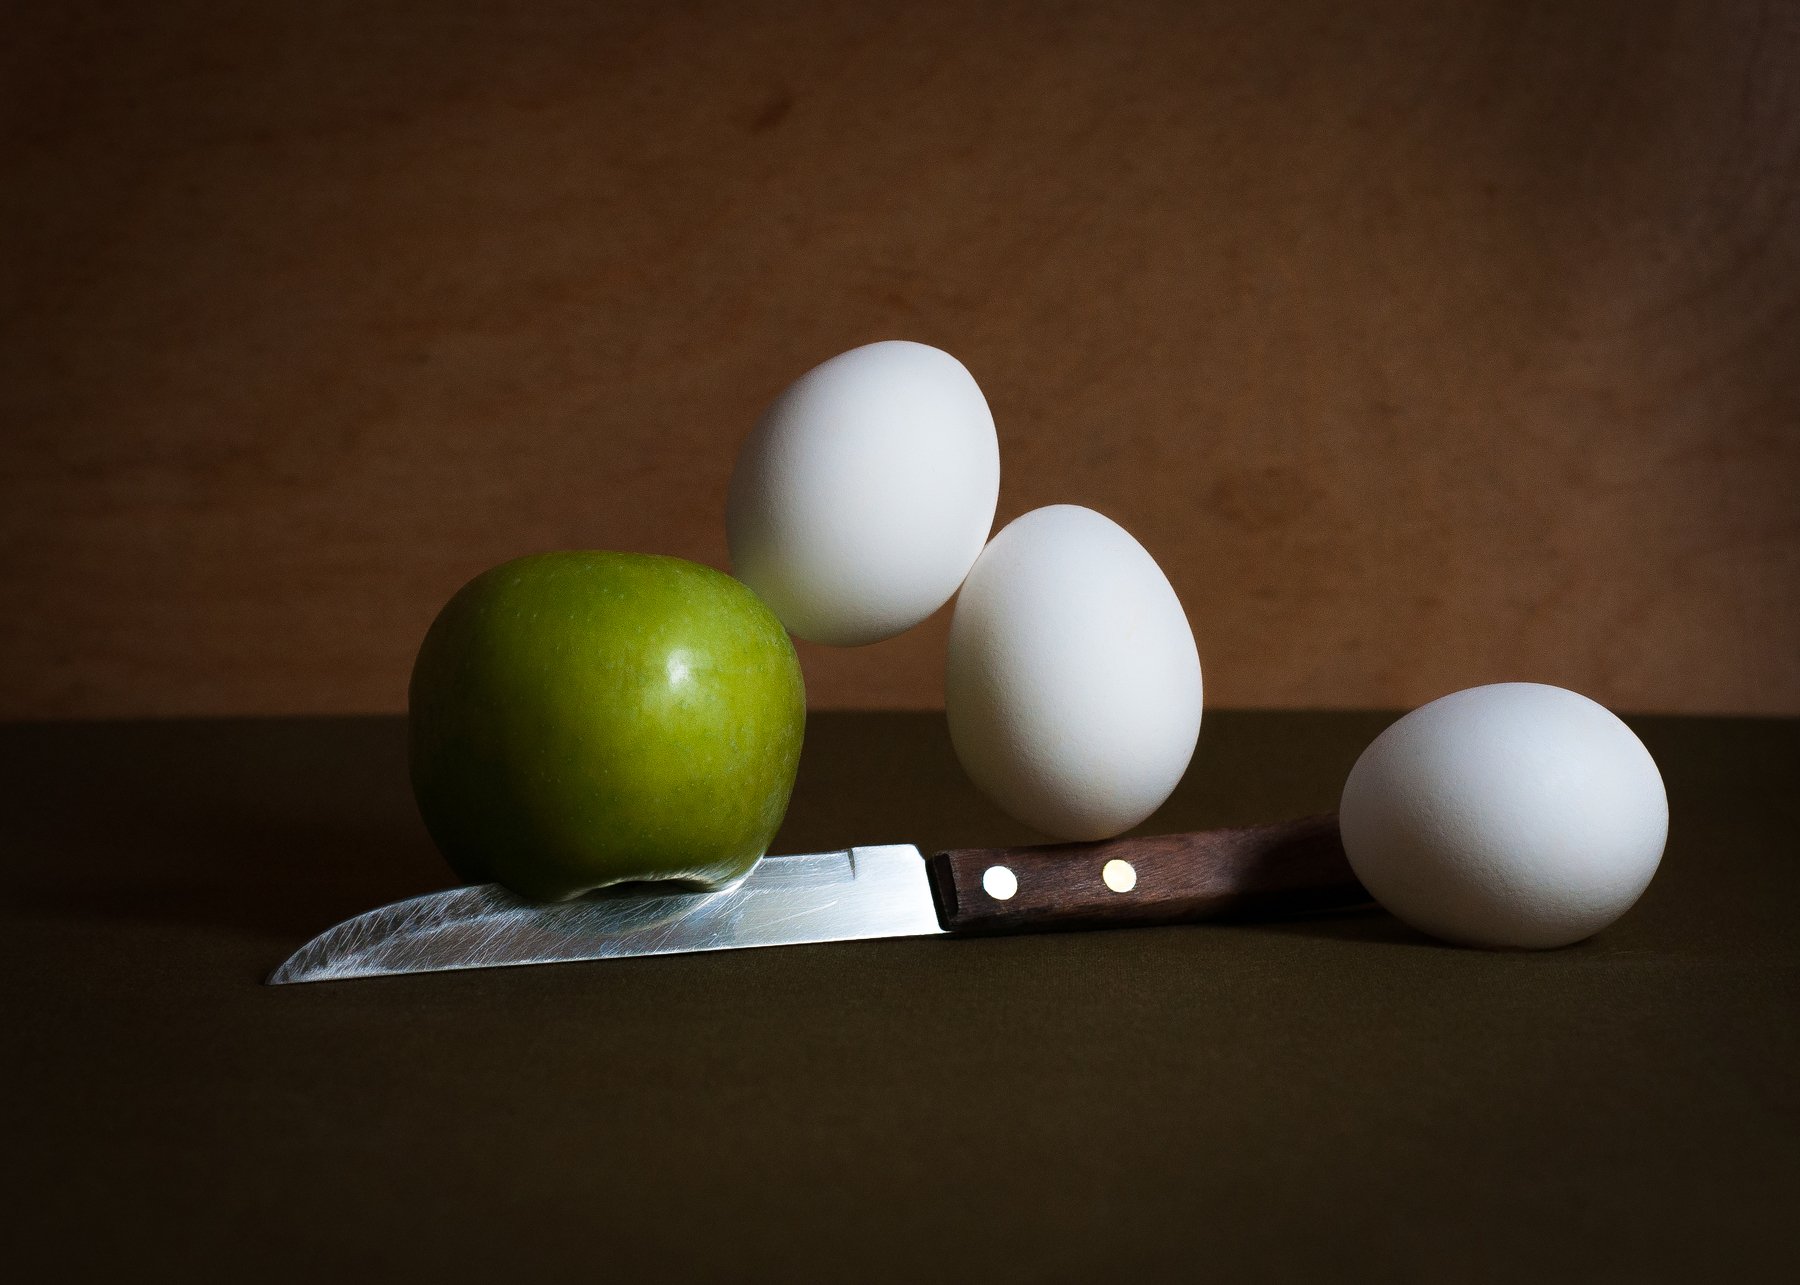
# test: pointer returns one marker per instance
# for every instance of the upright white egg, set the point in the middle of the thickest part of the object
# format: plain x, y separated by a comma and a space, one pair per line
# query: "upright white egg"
865, 493
1073, 686
1511, 815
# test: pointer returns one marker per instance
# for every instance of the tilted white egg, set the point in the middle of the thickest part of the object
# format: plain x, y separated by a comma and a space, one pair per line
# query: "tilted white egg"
1073, 688
1511, 815
865, 494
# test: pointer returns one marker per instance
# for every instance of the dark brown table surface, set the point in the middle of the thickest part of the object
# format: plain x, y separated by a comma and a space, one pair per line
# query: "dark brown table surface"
1332, 1098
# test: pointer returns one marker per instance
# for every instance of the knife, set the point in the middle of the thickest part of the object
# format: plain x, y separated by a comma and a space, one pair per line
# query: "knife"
855, 894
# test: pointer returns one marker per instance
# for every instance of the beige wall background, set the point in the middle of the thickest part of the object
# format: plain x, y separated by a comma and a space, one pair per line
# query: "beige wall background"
1423, 344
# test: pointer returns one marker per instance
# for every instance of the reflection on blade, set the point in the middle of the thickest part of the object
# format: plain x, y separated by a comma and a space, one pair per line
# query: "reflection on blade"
827, 896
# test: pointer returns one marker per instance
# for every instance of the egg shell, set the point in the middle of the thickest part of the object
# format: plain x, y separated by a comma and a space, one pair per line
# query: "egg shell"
865, 493
1073, 686
1516, 814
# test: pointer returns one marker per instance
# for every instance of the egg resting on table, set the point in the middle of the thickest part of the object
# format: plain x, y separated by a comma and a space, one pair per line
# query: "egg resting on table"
1516, 814
1073, 686
865, 493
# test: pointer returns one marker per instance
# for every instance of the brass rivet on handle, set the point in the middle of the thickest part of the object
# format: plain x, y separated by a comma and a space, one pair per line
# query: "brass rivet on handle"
999, 883
1119, 875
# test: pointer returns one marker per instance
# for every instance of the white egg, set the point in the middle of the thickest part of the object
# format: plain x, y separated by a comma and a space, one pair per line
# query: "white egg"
1073, 687
1512, 815
864, 495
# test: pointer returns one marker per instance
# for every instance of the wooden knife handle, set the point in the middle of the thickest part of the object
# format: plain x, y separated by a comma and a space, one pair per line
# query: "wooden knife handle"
1286, 868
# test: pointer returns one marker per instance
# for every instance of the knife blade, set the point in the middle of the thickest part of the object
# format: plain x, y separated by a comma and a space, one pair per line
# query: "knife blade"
891, 890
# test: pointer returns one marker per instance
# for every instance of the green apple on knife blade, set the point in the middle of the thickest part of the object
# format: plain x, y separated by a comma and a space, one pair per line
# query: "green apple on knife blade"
584, 719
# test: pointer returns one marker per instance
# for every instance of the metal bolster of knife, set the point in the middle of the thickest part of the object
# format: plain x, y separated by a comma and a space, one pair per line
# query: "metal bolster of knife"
1289, 868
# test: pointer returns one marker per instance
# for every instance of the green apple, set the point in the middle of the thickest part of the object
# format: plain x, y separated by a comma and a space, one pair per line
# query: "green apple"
585, 719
